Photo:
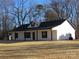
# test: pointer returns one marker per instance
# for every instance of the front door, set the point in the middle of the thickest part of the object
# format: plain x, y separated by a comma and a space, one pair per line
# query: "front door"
33, 35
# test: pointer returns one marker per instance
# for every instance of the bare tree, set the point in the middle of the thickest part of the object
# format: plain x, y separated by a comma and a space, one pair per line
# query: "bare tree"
77, 18
5, 7
62, 8
19, 12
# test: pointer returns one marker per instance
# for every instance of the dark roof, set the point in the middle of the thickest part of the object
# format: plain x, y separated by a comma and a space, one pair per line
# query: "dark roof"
21, 27
51, 23
43, 25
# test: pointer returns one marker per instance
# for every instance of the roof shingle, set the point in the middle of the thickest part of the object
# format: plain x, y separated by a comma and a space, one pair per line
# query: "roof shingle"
43, 25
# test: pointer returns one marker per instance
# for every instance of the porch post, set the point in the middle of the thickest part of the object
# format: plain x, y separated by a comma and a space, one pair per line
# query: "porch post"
51, 34
37, 34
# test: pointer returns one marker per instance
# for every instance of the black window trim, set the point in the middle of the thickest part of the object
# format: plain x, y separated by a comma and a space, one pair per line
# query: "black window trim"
46, 34
27, 36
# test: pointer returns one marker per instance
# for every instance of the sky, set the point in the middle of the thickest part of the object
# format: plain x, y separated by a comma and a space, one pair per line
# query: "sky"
32, 2
42, 1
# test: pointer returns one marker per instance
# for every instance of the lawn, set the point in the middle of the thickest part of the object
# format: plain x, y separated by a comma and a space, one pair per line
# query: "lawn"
40, 50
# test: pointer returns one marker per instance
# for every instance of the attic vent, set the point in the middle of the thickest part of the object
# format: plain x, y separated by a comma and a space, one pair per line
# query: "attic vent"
32, 24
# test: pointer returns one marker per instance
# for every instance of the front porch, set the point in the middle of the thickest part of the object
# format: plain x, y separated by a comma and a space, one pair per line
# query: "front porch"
35, 35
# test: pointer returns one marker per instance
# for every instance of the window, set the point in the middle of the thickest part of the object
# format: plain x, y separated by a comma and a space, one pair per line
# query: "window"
16, 35
44, 34
27, 35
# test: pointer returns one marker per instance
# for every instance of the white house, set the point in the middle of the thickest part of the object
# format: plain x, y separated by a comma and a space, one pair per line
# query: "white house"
49, 30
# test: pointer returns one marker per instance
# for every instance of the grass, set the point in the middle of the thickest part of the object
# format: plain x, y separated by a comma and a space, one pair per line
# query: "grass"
40, 50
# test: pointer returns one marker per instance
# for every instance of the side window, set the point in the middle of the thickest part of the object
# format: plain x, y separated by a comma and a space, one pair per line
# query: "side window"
16, 35
27, 35
44, 34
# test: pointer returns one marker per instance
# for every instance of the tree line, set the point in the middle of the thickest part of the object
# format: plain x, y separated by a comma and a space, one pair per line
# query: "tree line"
14, 13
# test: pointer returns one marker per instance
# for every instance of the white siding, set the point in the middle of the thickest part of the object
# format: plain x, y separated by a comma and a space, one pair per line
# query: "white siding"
54, 35
38, 36
63, 30
21, 35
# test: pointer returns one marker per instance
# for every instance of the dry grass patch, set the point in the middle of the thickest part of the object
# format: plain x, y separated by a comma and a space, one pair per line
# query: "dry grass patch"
40, 50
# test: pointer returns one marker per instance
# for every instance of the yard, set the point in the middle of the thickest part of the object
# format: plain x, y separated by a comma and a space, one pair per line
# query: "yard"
40, 50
